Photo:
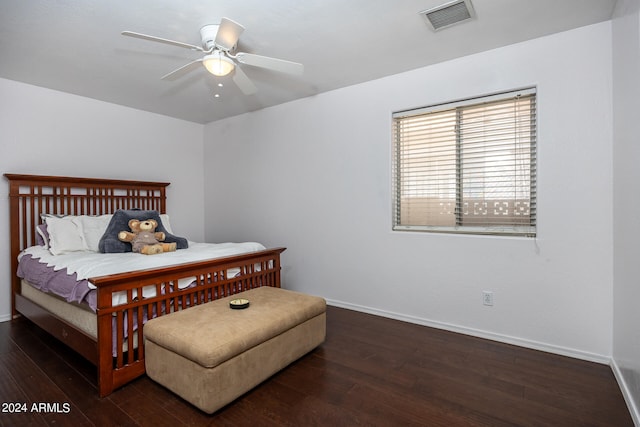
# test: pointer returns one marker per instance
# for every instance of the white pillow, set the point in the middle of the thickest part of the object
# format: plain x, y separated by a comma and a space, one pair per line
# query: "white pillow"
64, 235
73, 233
165, 221
91, 229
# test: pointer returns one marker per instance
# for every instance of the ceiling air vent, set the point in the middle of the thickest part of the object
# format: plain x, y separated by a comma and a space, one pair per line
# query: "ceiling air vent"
448, 14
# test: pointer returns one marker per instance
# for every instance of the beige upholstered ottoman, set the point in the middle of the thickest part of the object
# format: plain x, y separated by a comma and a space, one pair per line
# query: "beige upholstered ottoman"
211, 354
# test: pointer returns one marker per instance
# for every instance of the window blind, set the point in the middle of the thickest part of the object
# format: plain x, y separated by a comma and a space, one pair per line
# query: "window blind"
467, 166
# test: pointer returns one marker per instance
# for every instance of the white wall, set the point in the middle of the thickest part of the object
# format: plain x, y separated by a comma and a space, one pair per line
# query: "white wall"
52, 133
626, 154
314, 175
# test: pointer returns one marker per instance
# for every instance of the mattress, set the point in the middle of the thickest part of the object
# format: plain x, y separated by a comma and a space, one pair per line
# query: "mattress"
77, 314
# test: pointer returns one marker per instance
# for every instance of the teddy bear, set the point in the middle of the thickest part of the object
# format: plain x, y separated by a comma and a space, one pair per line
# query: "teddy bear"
144, 239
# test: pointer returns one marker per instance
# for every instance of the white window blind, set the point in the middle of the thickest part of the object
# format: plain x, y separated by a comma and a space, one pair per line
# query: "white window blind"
467, 166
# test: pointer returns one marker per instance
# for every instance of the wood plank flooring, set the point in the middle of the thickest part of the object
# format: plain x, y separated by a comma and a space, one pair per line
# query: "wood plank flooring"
371, 371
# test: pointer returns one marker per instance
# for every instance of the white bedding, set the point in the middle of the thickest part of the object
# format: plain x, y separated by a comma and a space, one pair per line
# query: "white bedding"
86, 264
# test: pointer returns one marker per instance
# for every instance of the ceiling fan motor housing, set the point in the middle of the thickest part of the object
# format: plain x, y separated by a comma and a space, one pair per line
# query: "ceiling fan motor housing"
208, 35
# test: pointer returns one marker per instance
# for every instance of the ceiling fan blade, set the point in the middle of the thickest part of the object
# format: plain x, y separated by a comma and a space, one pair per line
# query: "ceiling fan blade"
244, 83
176, 74
161, 40
270, 63
228, 34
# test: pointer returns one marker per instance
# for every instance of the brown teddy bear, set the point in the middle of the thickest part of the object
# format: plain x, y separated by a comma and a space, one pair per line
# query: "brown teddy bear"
144, 239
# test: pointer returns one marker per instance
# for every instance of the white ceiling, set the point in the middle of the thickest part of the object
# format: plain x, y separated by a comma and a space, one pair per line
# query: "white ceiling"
75, 46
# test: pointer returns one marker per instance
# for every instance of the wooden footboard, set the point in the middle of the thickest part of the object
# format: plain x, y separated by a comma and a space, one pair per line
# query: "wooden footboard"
119, 351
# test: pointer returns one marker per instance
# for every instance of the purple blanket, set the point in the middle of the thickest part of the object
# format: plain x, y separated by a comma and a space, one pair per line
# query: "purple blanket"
58, 282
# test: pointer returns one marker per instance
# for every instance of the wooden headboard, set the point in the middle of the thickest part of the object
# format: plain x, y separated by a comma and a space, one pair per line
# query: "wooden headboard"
33, 195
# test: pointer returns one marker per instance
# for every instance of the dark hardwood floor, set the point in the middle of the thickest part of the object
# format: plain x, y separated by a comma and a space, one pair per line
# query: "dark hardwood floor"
371, 371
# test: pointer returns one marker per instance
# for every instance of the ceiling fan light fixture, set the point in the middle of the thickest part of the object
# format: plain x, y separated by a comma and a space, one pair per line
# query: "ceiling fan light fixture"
218, 64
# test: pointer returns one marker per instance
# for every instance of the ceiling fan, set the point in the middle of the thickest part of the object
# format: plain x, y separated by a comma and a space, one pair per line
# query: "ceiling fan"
219, 42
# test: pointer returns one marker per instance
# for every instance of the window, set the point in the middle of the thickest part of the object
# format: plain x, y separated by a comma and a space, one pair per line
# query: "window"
467, 166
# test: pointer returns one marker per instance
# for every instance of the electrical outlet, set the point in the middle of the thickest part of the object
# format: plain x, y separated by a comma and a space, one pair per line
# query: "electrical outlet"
487, 297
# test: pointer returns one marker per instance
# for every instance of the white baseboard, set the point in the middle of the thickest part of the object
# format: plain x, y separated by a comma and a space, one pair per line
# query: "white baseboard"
5, 318
563, 351
626, 393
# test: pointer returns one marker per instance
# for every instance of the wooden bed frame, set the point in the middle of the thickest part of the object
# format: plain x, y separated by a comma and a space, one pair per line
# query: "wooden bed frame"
32, 195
